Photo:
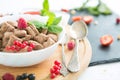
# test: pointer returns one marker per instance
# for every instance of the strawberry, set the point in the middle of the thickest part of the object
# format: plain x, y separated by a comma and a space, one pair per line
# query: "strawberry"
22, 23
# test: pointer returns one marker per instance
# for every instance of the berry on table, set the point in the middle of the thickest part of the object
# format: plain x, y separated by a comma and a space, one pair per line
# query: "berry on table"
53, 75
55, 70
19, 77
117, 20
24, 76
70, 45
8, 76
31, 77
56, 62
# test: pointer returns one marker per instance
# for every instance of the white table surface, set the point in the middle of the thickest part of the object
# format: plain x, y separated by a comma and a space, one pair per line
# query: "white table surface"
101, 72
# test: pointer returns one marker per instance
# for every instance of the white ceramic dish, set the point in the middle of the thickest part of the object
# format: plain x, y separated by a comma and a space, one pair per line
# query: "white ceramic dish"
34, 57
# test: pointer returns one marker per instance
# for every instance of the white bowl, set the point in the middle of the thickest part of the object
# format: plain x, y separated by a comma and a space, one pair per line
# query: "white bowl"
34, 57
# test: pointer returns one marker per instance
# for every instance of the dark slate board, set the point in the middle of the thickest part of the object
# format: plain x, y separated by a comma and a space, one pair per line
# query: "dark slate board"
106, 25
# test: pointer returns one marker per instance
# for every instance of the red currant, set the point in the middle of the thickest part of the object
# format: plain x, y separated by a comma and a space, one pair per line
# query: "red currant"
30, 49
7, 48
57, 63
17, 48
32, 45
15, 42
53, 75
13, 47
19, 44
52, 70
57, 72
25, 42
23, 45
56, 67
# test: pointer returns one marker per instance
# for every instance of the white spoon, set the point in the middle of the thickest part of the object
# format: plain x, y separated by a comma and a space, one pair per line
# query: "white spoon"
78, 31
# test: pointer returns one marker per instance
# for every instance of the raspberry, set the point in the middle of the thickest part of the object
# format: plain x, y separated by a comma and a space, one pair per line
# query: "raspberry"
117, 20
22, 23
8, 76
71, 45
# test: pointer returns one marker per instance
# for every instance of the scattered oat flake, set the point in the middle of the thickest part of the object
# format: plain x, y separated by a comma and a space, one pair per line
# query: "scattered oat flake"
73, 12
118, 37
96, 22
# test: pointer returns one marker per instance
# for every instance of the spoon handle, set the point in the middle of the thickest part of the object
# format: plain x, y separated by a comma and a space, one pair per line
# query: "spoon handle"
64, 71
74, 64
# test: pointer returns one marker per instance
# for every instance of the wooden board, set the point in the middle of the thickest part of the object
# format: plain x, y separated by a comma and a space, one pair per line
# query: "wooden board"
42, 70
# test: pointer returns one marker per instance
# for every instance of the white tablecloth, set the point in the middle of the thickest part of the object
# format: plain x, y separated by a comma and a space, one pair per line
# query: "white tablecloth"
101, 72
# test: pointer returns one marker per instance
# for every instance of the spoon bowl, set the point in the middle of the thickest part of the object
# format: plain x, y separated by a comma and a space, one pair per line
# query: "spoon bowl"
78, 31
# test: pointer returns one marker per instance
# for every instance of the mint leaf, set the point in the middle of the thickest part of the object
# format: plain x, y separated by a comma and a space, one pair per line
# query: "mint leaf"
46, 5
51, 18
93, 10
45, 8
102, 8
55, 29
56, 20
39, 25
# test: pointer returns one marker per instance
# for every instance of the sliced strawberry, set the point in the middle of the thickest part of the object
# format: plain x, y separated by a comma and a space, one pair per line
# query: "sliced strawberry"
106, 40
76, 18
22, 23
65, 10
87, 19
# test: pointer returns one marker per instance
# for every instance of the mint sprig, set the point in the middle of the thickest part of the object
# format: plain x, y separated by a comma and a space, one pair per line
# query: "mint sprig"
100, 8
52, 22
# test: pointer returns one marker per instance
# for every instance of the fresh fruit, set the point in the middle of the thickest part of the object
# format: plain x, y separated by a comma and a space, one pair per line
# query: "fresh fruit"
15, 42
25, 42
106, 40
8, 76
65, 10
71, 45
32, 45
55, 70
76, 18
19, 77
33, 12
29, 49
22, 23
31, 77
8, 48
87, 19
24, 76
53, 75
23, 45
12, 47
118, 20
56, 62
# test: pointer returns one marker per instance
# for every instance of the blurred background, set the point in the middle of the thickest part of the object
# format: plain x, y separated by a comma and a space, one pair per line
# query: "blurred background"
15, 6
